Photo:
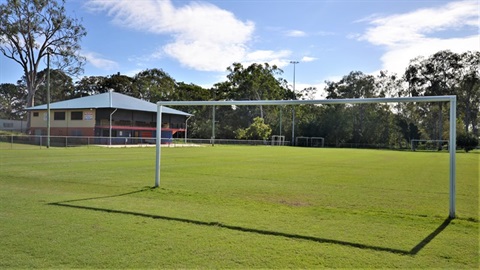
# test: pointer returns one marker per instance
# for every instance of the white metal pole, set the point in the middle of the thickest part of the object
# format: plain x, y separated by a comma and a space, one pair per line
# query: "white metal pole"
213, 126
293, 107
301, 102
280, 128
293, 126
453, 149
110, 128
186, 128
159, 145
451, 99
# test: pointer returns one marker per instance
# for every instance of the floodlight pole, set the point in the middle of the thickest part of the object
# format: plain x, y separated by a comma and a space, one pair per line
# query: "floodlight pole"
158, 150
48, 97
293, 107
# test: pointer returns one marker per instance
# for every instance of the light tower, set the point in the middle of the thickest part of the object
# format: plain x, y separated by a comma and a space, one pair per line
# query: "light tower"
293, 108
49, 51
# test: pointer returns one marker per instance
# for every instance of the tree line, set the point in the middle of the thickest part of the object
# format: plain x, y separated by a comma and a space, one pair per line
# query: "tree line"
358, 125
32, 30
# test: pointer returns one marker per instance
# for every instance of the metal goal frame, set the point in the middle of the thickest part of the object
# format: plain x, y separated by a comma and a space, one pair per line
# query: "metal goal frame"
452, 138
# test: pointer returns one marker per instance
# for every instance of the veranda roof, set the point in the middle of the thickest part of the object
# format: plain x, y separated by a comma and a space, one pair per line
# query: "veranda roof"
107, 100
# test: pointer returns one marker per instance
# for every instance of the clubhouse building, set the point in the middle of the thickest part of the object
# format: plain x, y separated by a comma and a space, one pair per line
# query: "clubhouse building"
104, 115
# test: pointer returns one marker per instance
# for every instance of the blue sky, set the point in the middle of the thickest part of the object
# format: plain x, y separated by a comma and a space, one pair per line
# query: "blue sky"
195, 41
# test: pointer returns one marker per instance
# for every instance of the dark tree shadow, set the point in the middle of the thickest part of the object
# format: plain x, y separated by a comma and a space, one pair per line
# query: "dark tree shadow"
415, 250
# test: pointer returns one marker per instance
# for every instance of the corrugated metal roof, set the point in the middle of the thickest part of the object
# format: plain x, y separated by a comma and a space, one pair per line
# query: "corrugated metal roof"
107, 100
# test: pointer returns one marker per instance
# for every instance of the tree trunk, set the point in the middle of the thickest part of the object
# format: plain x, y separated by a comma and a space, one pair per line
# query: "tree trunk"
31, 90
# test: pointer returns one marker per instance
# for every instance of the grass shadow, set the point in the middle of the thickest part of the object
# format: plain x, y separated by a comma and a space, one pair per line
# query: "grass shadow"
430, 237
414, 251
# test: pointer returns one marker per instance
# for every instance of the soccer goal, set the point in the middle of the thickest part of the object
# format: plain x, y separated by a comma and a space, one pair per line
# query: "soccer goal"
452, 120
317, 142
429, 145
302, 141
278, 140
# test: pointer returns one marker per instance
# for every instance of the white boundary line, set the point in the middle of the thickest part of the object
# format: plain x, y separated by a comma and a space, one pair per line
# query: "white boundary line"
452, 139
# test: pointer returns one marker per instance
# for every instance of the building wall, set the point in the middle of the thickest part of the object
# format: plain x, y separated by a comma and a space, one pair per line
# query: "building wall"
64, 122
96, 122
13, 125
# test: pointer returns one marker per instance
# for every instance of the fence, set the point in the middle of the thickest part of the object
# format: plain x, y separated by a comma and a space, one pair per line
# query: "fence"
40, 141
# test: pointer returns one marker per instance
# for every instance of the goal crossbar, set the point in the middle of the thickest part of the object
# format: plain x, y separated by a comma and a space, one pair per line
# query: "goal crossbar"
451, 99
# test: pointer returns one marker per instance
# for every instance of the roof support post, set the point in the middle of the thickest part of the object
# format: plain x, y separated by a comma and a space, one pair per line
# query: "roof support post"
110, 129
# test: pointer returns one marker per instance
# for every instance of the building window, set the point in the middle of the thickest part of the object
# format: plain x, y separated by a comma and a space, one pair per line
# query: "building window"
8, 125
35, 114
76, 115
59, 116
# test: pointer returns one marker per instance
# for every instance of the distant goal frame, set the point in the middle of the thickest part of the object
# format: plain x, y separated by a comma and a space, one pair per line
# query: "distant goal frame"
452, 138
412, 142
278, 140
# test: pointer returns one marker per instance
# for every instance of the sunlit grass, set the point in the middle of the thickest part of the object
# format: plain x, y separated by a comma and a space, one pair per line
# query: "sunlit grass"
235, 207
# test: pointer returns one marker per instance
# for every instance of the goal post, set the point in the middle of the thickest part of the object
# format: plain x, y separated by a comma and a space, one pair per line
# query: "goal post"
278, 140
302, 141
314, 142
452, 120
414, 146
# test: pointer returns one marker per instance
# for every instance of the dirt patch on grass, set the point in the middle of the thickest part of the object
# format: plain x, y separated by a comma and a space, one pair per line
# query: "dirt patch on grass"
295, 203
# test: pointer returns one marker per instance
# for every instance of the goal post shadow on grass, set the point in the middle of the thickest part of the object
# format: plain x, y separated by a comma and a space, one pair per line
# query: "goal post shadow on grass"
452, 121
412, 252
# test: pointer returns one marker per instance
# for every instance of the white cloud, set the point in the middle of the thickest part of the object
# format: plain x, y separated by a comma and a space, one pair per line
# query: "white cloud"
97, 61
204, 37
277, 58
308, 59
409, 35
296, 33
396, 60
262, 56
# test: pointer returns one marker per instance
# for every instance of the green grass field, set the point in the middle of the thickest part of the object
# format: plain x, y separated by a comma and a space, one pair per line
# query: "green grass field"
236, 207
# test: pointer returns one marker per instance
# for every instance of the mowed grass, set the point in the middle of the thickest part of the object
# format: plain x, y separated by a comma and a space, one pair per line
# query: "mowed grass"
236, 207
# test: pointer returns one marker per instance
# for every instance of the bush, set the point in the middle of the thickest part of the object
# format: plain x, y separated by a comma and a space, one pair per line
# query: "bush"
258, 130
467, 142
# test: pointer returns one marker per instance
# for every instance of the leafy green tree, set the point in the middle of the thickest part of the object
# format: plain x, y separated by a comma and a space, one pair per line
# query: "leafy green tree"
154, 85
354, 85
308, 93
468, 91
255, 82
433, 76
12, 101
467, 141
192, 92
90, 85
31, 29
258, 130
408, 129
200, 125
119, 83
61, 87
364, 117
